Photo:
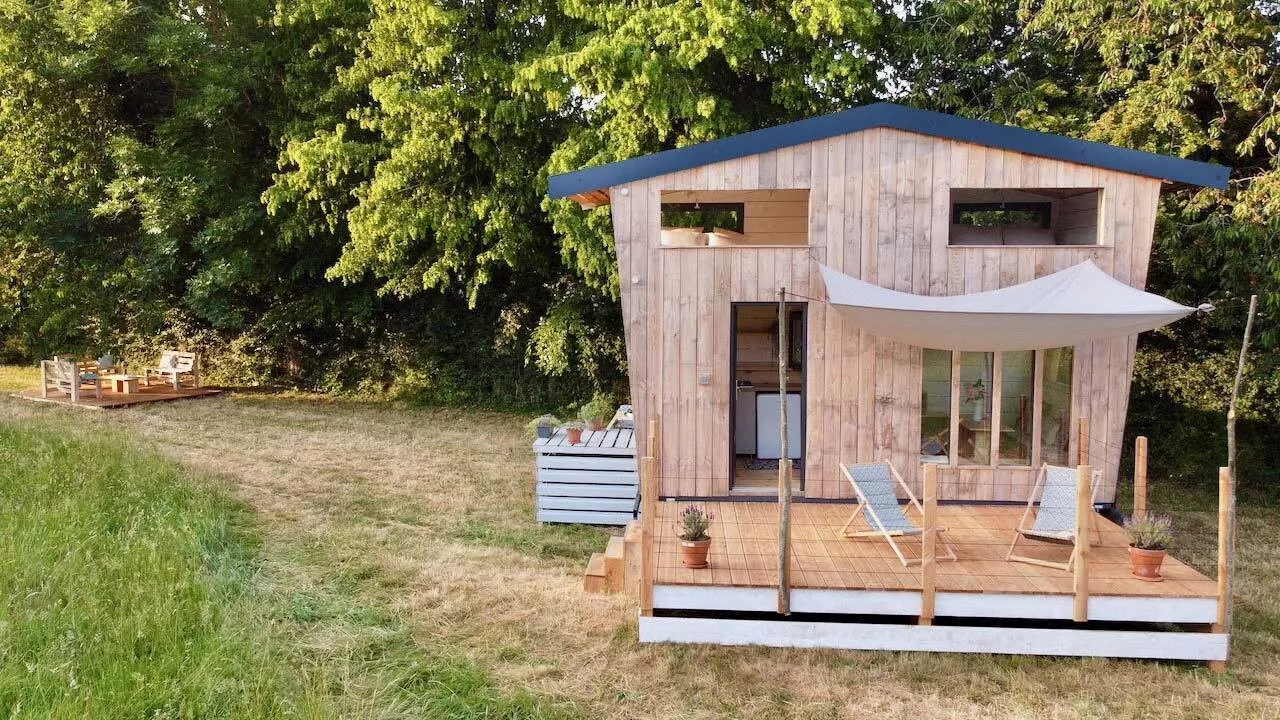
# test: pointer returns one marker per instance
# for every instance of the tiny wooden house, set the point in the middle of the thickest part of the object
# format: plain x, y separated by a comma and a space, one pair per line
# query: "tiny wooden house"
906, 199
954, 297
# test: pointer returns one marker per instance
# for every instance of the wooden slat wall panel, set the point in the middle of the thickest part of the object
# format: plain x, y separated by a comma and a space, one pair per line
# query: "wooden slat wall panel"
878, 210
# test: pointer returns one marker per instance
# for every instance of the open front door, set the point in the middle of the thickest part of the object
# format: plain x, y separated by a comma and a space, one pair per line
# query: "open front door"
755, 403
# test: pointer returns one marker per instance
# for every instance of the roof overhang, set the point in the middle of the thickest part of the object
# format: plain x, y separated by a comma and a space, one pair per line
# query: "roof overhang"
583, 184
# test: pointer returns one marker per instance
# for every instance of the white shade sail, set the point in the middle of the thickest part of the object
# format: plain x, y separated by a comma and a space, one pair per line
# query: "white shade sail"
1072, 306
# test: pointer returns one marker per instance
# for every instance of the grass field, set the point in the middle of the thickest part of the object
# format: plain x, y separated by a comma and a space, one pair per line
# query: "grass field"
389, 563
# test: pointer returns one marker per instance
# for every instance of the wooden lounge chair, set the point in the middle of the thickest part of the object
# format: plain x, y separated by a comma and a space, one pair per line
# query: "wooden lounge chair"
174, 366
67, 377
879, 507
1055, 509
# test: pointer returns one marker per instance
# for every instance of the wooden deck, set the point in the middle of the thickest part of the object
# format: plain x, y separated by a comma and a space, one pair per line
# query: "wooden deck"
114, 401
744, 554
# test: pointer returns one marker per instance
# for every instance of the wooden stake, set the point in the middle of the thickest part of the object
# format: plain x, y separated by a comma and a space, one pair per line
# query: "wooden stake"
1084, 512
1140, 477
1224, 547
928, 562
648, 513
1084, 441
784, 466
1231, 458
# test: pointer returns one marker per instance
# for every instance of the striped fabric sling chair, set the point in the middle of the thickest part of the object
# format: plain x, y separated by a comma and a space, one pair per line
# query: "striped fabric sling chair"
873, 484
1055, 520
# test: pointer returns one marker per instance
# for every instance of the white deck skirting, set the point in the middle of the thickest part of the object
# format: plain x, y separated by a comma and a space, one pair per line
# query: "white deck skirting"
934, 638
1154, 609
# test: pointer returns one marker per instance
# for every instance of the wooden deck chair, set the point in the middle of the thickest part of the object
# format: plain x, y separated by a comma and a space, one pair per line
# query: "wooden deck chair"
1055, 510
66, 376
879, 507
173, 367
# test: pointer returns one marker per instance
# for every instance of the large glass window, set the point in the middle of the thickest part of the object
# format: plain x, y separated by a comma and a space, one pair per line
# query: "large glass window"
1055, 418
998, 399
1017, 387
935, 407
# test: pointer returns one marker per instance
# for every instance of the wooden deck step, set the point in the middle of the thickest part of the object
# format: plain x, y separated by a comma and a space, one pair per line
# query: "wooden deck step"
615, 564
632, 557
593, 580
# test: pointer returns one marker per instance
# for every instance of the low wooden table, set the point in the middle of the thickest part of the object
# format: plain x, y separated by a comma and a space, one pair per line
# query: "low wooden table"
127, 384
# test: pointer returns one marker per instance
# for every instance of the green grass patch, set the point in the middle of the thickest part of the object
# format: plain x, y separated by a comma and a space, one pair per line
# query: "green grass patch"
130, 590
16, 378
121, 587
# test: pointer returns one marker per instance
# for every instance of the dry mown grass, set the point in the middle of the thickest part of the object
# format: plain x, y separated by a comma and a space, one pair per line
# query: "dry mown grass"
428, 513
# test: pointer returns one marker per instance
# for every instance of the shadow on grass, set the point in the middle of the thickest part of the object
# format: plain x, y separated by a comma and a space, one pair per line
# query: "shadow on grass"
569, 542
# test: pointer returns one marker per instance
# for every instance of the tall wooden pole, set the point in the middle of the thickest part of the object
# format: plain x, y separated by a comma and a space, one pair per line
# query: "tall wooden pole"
648, 518
928, 559
1232, 481
784, 466
1224, 548
1084, 442
1084, 523
1140, 477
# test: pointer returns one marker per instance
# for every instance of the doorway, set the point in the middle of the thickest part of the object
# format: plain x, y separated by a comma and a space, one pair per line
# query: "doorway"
755, 436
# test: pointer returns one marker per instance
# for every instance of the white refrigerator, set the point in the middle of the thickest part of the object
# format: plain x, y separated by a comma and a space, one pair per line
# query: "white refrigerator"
768, 434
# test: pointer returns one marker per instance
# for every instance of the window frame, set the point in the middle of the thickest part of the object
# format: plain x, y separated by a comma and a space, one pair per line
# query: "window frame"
997, 397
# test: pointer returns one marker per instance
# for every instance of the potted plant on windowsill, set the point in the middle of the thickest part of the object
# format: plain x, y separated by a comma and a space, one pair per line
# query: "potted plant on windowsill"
1149, 539
695, 543
573, 431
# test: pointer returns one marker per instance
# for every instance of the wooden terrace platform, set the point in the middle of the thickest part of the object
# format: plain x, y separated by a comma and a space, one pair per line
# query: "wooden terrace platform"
846, 593
113, 401
744, 553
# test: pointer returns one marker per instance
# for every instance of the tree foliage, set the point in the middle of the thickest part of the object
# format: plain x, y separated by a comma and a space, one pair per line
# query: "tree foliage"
351, 194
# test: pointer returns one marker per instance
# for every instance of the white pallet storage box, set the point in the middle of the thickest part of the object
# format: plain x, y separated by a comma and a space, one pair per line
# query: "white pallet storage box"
594, 482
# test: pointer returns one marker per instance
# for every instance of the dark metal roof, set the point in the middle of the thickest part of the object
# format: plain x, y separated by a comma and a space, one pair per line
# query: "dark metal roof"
900, 117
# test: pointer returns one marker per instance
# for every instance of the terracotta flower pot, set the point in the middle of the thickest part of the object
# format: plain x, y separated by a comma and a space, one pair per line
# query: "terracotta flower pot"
694, 552
1146, 563
596, 423
574, 435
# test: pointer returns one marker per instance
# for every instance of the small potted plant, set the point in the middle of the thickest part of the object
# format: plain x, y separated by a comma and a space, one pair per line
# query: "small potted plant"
695, 543
597, 410
1149, 538
543, 427
573, 429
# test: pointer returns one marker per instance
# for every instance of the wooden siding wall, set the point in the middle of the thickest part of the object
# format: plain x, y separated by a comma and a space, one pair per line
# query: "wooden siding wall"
878, 210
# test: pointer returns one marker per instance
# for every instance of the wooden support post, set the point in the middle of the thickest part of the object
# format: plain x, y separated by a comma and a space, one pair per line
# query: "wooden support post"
652, 444
784, 466
1084, 441
928, 561
648, 519
1084, 518
1140, 477
1226, 532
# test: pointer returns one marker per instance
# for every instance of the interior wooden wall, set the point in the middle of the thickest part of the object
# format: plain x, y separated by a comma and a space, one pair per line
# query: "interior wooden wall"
878, 210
